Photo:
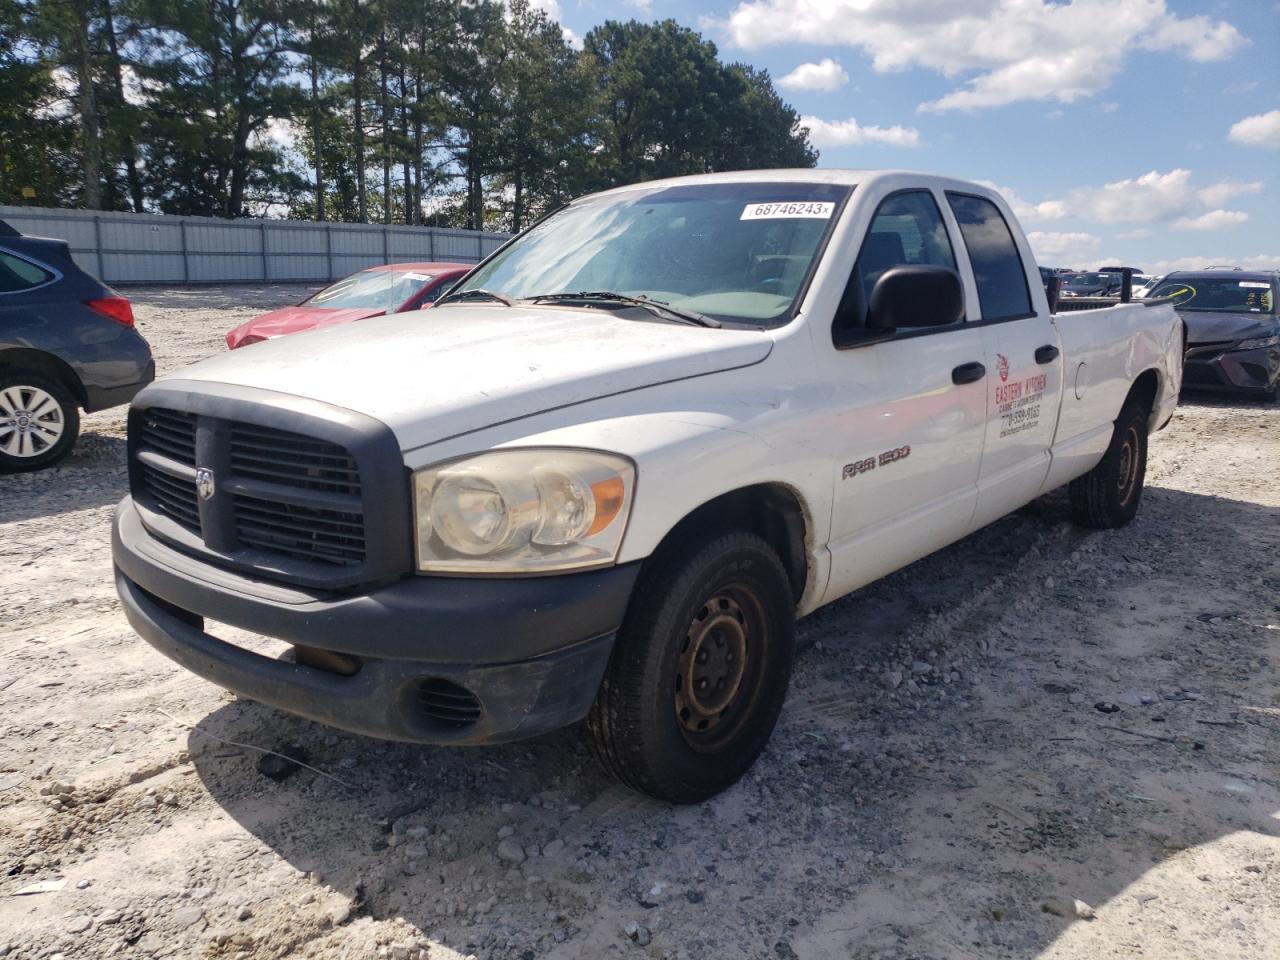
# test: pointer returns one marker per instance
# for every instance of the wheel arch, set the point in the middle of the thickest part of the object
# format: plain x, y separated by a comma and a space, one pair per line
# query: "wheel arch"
1145, 390
774, 511
46, 364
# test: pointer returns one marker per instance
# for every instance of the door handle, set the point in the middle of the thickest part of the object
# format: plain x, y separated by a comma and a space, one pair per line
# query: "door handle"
1046, 354
968, 373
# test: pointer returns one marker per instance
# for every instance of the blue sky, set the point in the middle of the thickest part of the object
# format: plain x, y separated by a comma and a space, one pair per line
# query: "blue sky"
1142, 131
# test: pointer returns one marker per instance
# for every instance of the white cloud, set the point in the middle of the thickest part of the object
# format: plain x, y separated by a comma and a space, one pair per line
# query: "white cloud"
1063, 248
1252, 262
1198, 38
1260, 130
826, 75
644, 6
850, 133
1219, 193
1024, 210
1003, 51
1154, 197
1213, 220
1140, 234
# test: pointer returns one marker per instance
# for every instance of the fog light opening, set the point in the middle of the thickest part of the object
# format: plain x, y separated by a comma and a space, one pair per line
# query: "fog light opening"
447, 703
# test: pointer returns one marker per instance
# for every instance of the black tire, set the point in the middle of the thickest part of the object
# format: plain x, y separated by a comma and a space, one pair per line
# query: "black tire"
699, 671
29, 442
1107, 497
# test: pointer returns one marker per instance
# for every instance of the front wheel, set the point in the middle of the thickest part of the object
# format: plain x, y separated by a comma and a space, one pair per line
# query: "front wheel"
1107, 497
699, 670
39, 421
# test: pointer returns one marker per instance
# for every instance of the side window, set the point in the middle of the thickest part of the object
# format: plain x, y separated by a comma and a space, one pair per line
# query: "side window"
997, 268
17, 274
907, 229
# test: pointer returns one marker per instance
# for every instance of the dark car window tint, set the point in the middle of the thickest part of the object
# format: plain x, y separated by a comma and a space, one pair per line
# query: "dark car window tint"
17, 274
906, 230
1215, 294
997, 268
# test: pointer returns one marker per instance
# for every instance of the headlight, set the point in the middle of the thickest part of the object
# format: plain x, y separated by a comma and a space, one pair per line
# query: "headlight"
1259, 343
522, 511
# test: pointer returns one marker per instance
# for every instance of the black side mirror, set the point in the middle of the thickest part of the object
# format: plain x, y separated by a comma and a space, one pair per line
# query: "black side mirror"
1053, 292
915, 296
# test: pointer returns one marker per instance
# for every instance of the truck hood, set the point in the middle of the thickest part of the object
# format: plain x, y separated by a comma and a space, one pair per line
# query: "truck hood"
1206, 327
475, 365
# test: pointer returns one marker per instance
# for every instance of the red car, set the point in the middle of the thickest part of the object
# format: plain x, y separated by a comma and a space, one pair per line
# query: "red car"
390, 288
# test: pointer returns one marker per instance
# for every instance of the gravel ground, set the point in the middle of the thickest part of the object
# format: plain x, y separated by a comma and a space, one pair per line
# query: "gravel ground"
942, 782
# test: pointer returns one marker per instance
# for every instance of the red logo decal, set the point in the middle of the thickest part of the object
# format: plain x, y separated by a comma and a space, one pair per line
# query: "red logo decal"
1003, 363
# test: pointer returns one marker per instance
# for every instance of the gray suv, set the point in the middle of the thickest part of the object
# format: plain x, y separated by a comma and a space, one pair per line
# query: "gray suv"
67, 343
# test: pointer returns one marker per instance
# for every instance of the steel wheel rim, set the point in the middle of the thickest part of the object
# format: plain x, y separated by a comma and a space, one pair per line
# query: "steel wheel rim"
31, 421
717, 668
1127, 478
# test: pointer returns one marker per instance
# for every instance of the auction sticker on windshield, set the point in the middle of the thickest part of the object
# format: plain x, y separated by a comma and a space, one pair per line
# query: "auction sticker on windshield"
814, 210
1254, 284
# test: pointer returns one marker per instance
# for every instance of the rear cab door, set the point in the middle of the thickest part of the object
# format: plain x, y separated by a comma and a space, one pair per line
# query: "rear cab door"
1024, 385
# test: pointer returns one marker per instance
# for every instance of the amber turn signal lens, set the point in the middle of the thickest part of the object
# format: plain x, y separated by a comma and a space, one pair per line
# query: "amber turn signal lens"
609, 496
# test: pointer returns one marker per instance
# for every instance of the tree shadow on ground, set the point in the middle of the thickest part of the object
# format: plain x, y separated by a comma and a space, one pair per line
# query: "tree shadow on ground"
946, 813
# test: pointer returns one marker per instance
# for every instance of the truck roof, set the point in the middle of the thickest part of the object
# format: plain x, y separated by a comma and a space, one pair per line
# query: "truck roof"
846, 177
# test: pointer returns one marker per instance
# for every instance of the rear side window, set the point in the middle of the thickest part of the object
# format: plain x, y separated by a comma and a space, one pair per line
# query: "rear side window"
997, 268
17, 274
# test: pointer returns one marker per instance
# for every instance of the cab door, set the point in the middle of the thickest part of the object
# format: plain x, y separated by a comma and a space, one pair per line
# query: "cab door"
909, 413
1025, 383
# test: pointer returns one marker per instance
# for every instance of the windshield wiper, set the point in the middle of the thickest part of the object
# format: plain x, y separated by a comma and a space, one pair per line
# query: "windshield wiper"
657, 307
479, 293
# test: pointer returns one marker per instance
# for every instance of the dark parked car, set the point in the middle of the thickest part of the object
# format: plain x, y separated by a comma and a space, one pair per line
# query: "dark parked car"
1233, 332
1091, 285
66, 342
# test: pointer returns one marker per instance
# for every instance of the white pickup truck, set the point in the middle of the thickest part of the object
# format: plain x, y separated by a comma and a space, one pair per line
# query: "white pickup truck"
604, 476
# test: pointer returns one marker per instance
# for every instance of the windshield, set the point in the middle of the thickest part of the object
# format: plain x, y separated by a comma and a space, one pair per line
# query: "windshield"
1089, 279
737, 252
1224, 295
372, 290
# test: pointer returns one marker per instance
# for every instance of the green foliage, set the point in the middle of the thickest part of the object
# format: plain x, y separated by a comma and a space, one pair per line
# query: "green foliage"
38, 164
459, 112
671, 108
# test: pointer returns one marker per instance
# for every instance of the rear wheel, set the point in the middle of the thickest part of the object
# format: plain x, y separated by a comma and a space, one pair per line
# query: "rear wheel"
1107, 497
39, 421
699, 671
